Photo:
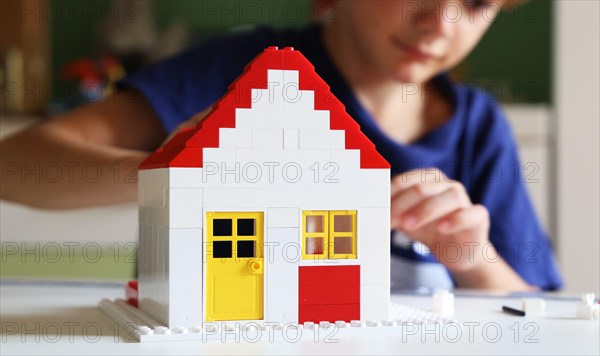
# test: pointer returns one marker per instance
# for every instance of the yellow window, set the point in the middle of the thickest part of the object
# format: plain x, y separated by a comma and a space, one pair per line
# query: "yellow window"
328, 234
342, 234
314, 234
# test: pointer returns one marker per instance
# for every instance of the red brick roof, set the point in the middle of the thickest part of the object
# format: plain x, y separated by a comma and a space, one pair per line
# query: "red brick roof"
185, 148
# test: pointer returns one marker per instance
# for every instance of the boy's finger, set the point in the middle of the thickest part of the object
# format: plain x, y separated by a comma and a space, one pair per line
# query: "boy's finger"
464, 219
408, 198
435, 207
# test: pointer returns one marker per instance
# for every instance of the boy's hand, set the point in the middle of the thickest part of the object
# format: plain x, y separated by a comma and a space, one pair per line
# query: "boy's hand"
430, 208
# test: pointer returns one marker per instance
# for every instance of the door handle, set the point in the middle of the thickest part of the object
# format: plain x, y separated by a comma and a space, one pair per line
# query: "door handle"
255, 266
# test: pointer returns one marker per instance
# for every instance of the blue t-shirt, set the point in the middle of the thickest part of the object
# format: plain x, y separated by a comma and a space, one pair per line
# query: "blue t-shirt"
475, 146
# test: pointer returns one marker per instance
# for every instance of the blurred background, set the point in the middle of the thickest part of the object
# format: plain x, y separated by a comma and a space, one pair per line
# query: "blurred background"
540, 60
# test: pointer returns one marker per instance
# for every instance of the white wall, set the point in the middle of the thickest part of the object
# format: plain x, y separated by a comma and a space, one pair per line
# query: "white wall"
577, 95
531, 124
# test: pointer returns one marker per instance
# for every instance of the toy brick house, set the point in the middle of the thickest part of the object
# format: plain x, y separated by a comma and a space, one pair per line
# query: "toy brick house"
273, 208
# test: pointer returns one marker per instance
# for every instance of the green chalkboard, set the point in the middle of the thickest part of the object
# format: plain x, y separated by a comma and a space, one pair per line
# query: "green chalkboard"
513, 61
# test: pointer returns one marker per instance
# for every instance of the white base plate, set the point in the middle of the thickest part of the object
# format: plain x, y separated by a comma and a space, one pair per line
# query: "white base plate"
144, 328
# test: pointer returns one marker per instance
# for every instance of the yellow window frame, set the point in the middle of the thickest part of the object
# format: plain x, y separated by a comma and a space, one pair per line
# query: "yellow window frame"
346, 234
323, 235
234, 238
329, 234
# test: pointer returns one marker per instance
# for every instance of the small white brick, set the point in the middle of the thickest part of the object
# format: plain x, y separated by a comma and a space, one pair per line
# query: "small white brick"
186, 218
290, 139
235, 138
337, 139
185, 258
533, 306
218, 155
586, 309
443, 302
267, 138
291, 77
314, 139
151, 192
588, 312
298, 100
282, 217
184, 198
374, 301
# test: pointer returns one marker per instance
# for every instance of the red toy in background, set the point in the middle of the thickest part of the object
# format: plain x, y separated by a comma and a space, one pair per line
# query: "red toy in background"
96, 78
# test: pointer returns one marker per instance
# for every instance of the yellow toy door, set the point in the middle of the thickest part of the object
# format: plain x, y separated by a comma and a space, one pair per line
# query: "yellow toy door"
234, 266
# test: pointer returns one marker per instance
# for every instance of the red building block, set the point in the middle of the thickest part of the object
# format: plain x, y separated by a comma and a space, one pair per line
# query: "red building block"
131, 293
329, 293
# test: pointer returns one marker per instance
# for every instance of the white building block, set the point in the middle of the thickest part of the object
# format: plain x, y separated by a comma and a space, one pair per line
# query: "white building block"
185, 218
586, 309
298, 100
533, 306
152, 272
152, 194
290, 139
443, 302
162, 280
218, 156
267, 138
185, 277
154, 216
144, 262
349, 173
337, 139
322, 139
160, 175
587, 312
348, 164
308, 120
177, 218
374, 301
261, 118
291, 77
184, 197
280, 168
373, 248
186, 177
314, 139
283, 217
275, 77
303, 198
281, 274
235, 138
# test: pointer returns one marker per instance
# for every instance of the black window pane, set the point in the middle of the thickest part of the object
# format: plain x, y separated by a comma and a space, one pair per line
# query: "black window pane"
245, 227
221, 249
222, 227
245, 249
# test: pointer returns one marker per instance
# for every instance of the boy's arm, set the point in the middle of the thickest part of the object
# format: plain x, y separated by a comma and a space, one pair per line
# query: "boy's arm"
86, 157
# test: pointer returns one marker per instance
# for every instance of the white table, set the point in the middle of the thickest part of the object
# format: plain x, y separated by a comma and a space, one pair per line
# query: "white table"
51, 318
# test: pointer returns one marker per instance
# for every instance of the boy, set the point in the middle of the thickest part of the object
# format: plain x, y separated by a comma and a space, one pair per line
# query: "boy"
446, 143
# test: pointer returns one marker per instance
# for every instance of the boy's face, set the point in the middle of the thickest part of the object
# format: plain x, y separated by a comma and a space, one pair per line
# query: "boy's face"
413, 40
